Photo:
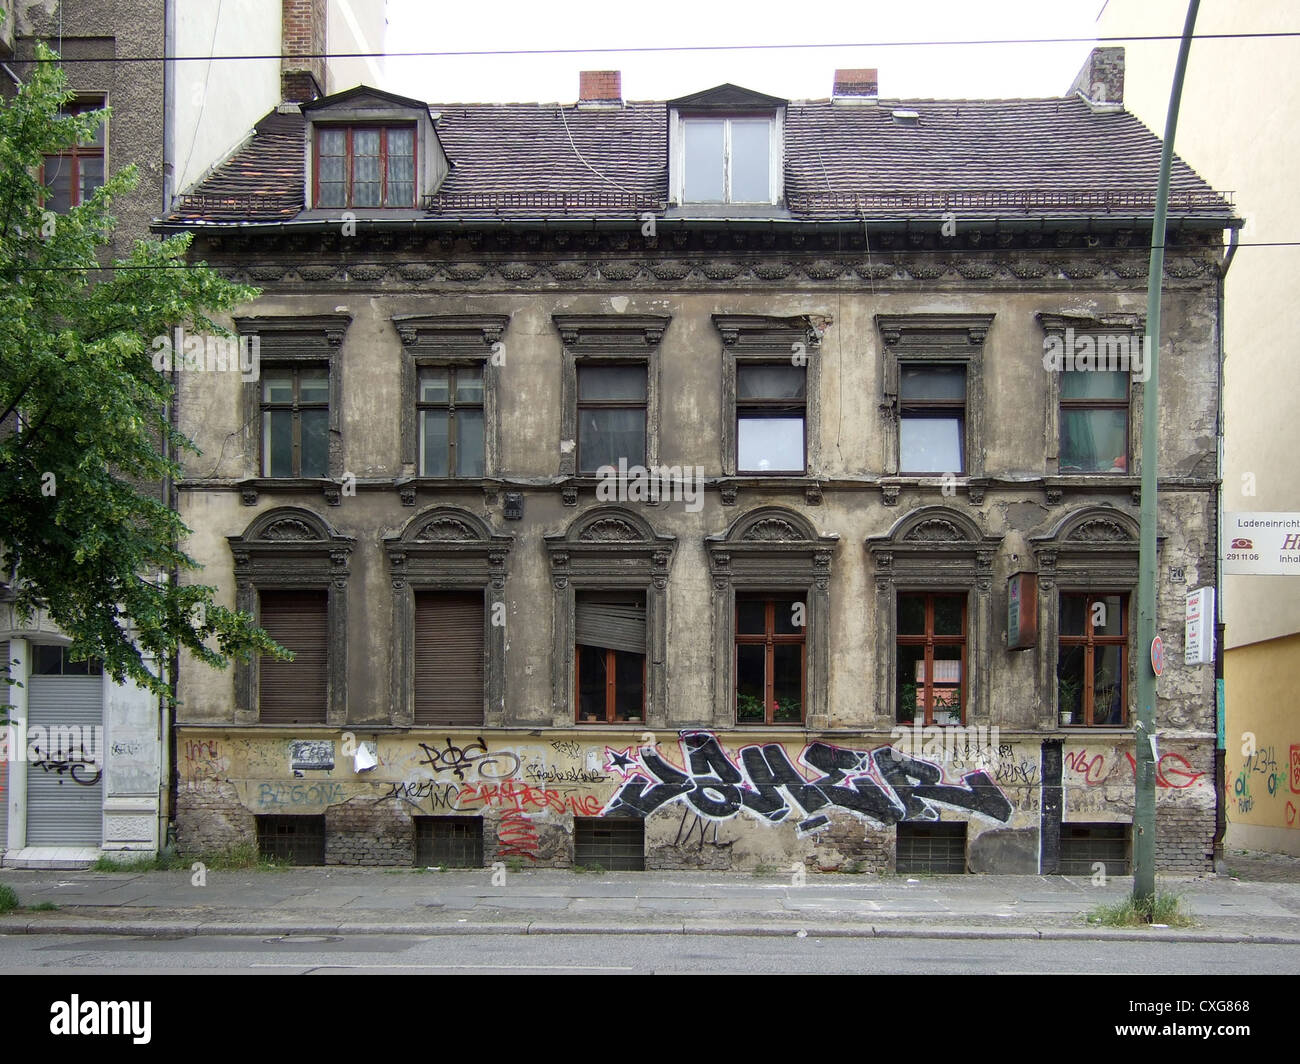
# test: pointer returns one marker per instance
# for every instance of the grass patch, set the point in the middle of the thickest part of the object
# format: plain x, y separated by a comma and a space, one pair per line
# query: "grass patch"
43, 907
515, 864
597, 868
8, 899
240, 857
1162, 909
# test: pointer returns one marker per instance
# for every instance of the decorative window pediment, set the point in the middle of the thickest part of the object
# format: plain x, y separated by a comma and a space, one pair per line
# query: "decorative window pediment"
447, 549
610, 548
290, 548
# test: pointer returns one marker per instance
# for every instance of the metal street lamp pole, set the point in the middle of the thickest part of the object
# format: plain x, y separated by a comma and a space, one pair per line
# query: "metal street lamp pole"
1144, 813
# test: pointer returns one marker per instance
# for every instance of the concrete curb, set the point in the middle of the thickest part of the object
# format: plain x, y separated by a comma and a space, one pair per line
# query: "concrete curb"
158, 929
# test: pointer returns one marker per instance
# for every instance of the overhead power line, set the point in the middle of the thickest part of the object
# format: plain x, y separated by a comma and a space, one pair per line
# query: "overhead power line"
648, 48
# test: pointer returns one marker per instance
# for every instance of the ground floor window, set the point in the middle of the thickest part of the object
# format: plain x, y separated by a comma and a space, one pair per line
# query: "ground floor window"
1083, 846
449, 841
616, 844
296, 840
931, 846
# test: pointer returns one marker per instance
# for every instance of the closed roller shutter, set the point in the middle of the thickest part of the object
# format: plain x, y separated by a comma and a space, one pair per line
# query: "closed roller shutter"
610, 623
449, 658
4, 761
295, 692
65, 795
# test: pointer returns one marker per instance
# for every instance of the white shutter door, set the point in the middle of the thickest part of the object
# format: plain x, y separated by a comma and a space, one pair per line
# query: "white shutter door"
65, 796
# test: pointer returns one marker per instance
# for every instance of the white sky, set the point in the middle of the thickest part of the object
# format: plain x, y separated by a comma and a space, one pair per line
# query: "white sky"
919, 72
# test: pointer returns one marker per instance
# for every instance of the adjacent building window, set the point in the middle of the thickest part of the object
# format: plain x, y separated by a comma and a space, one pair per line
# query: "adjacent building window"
931, 658
448, 659
770, 418
931, 418
1094, 422
1092, 667
73, 176
611, 416
610, 658
295, 692
365, 166
57, 661
727, 160
451, 421
295, 421
771, 660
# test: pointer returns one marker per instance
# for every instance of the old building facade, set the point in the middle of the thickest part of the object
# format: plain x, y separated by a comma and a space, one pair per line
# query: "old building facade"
707, 483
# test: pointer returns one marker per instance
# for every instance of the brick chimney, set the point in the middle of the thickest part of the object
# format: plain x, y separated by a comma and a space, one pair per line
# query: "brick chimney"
302, 35
600, 88
1101, 81
856, 85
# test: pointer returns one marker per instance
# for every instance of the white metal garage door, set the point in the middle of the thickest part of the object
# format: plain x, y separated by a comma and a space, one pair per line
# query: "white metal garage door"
65, 793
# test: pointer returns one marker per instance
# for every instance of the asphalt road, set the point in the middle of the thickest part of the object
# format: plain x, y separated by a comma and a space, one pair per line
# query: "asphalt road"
626, 954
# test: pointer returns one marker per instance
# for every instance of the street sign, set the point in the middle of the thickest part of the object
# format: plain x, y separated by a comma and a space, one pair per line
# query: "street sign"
1157, 655
1198, 645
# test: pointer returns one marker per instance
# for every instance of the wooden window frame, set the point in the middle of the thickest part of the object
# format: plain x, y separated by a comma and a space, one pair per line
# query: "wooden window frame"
643, 405
1125, 404
1090, 642
929, 640
770, 639
79, 151
933, 410
349, 159
611, 688
295, 407
450, 406
765, 408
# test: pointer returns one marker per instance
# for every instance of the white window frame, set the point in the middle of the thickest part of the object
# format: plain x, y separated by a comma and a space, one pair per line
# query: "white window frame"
775, 155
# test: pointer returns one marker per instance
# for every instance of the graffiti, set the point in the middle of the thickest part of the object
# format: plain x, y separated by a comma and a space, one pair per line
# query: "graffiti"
276, 794
1295, 770
1290, 814
127, 747
1016, 774
438, 795
311, 754
1174, 772
517, 835
884, 786
203, 760
518, 795
566, 746
1241, 789
81, 768
456, 759
705, 830
539, 773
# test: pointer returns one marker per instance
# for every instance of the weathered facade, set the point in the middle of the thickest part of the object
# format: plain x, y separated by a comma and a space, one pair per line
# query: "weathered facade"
801, 631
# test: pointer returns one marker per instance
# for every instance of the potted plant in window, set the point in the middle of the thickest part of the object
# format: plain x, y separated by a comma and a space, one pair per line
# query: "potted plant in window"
1067, 698
749, 709
907, 703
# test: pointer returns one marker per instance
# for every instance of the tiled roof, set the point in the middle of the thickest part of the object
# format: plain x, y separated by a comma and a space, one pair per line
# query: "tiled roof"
992, 158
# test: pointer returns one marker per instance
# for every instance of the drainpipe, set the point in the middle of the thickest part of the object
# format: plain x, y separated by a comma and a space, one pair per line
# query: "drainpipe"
169, 104
1220, 692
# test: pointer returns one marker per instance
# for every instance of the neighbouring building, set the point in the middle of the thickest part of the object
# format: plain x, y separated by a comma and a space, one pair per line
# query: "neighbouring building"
704, 483
84, 769
1236, 128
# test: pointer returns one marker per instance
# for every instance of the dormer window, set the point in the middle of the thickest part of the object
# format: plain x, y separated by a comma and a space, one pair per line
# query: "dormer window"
369, 150
726, 146
370, 166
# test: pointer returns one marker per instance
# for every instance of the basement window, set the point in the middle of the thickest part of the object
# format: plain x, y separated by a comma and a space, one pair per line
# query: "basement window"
616, 844
1085, 845
295, 840
938, 848
449, 841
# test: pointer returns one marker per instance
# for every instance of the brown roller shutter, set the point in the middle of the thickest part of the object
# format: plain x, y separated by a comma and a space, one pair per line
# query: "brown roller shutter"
295, 692
449, 658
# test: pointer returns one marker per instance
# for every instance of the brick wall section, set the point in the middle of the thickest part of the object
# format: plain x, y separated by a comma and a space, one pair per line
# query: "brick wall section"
539, 841
858, 82
209, 817
302, 34
605, 85
1184, 838
361, 833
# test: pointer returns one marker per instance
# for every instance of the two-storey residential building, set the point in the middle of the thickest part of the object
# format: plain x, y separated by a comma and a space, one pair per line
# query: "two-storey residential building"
712, 482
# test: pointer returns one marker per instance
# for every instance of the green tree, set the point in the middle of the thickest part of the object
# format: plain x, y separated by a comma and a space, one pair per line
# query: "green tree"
85, 533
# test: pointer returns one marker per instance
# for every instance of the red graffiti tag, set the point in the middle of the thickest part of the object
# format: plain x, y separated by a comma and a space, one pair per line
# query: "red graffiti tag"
1295, 770
517, 835
521, 796
1093, 770
1290, 814
1174, 772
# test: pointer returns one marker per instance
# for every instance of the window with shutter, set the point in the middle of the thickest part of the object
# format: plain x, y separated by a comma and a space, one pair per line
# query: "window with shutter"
610, 638
295, 692
449, 658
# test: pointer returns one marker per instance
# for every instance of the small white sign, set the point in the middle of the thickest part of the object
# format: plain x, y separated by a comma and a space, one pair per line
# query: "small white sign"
1198, 648
1261, 544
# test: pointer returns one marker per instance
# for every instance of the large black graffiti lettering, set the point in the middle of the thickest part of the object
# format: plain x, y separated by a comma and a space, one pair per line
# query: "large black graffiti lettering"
884, 787
80, 767
457, 759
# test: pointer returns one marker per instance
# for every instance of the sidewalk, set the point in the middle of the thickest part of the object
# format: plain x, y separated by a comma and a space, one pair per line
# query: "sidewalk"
346, 900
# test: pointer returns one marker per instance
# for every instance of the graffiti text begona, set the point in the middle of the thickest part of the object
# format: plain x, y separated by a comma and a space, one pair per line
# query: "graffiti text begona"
881, 785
